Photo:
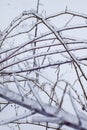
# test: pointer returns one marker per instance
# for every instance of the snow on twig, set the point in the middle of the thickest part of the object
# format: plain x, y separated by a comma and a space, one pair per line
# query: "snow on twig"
36, 95
63, 117
15, 118
18, 86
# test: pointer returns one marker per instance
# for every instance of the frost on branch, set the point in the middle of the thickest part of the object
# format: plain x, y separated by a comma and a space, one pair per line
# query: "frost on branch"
49, 112
43, 71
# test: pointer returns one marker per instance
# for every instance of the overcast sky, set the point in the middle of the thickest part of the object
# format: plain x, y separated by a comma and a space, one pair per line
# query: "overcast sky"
9, 9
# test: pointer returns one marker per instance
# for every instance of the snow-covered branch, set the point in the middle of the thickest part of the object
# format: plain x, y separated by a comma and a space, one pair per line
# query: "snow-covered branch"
63, 117
42, 50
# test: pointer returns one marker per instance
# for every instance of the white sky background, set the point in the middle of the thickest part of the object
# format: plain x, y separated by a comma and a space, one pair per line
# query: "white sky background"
9, 9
